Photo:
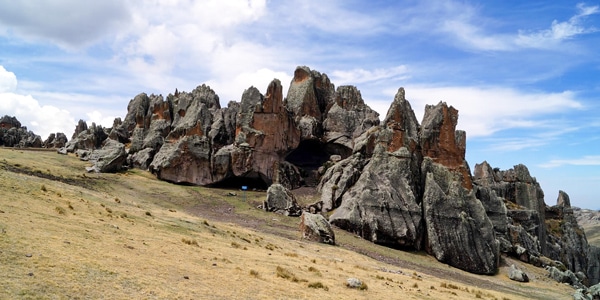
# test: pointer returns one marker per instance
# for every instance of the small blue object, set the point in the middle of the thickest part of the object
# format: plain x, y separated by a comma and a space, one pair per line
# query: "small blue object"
244, 187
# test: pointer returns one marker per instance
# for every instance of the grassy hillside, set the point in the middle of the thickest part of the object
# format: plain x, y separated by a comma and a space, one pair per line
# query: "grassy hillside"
67, 234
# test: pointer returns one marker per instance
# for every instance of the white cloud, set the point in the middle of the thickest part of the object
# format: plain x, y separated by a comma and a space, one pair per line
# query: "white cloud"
69, 23
484, 111
8, 81
41, 119
588, 160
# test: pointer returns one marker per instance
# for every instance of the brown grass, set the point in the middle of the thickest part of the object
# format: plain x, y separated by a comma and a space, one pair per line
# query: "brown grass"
90, 253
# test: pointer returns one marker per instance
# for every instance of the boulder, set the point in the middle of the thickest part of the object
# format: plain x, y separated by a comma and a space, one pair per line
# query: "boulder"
281, 200
381, 206
111, 158
458, 230
315, 227
516, 274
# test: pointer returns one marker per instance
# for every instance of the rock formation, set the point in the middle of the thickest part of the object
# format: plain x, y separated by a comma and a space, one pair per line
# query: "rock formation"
408, 185
188, 138
398, 183
12, 134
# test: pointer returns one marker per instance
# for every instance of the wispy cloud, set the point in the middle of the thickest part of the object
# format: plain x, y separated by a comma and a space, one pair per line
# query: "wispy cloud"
559, 31
588, 160
356, 76
467, 31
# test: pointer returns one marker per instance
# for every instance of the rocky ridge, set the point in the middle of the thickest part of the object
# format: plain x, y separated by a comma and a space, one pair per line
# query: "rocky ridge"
399, 183
12, 134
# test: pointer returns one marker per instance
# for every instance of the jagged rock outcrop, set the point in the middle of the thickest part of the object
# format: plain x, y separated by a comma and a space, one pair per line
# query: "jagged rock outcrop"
375, 191
89, 138
409, 185
12, 134
55, 140
530, 230
188, 138
398, 182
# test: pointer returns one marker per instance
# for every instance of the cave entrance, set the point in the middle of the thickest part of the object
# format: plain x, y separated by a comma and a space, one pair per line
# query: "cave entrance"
253, 180
308, 157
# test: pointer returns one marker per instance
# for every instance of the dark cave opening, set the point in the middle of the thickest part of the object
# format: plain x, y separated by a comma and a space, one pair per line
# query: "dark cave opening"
310, 155
253, 180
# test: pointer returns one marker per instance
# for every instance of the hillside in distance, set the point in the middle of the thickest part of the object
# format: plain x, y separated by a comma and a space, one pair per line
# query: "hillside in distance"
69, 234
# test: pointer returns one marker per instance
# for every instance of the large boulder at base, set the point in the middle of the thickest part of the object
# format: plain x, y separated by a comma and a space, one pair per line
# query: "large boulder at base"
111, 158
517, 274
382, 206
281, 200
315, 227
458, 230
186, 160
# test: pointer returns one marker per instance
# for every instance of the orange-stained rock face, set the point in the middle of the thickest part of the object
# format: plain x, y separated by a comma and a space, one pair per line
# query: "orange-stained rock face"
300, 75
440, 140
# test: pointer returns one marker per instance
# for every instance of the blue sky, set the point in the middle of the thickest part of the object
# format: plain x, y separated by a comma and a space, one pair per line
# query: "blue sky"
524, 75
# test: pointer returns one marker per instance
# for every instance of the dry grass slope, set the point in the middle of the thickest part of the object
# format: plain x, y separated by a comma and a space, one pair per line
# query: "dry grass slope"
66, 234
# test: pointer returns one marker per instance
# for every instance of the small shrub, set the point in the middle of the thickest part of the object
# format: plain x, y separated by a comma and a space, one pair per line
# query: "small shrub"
108, 210
290, 254
70, 206
235, 245
190, 242
43, 188
60, 210
314, 270
123, 215
415, 285
318, 285
59, 194
205, 223
148, 214
246, 240
286, 274
270, 246
363, 287
379, 277
117, 200
254, 273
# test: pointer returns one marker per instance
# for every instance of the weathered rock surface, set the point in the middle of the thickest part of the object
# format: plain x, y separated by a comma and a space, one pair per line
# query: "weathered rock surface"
315, 227
195, 141
529, 229
281, 200
408, 185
